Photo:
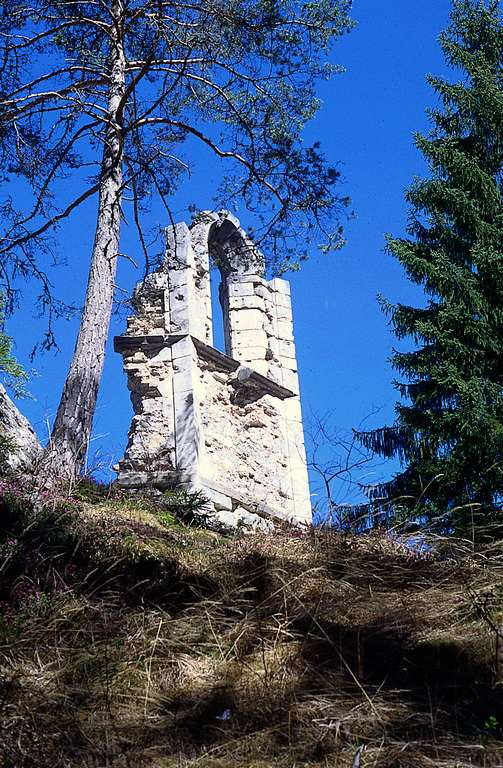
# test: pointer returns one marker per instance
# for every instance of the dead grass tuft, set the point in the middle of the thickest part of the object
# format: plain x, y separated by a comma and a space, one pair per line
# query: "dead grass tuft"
128, 640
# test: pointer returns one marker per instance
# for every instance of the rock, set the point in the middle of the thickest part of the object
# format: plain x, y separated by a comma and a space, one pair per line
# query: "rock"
251, 522
228, 521
223, 520
221, 502
17, 431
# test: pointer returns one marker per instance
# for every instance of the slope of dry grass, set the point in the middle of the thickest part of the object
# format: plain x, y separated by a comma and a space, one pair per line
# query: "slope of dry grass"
128, 639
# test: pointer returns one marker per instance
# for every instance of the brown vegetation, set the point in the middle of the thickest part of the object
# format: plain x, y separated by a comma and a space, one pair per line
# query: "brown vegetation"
129, 639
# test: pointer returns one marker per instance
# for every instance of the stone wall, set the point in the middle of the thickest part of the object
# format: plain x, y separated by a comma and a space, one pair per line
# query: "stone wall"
227, 423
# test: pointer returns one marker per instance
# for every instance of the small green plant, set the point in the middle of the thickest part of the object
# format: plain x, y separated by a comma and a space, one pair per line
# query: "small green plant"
131, 544
166, 518
492, 724
7, 448
191, 507
12, 373
11, 627
91, 491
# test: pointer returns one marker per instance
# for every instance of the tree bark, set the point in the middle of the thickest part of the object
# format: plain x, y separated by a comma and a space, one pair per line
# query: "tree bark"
72, 427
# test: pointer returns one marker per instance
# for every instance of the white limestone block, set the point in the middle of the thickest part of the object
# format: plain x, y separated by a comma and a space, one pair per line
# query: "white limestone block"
284, 330
245, 353
289, 363
290, 380
165, 387
240, 289
184, 382
219, 500
225, 519
286, 348
183, 348
246, 319
269, 326
279, 285
246, 302
252, 522
163, 356
273, 346
264, 292
259, 365
248, 338
275, 372
292, 409
177, 242
283, 300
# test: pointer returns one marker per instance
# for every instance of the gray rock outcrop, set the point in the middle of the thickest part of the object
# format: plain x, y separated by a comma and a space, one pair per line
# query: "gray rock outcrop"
19, 445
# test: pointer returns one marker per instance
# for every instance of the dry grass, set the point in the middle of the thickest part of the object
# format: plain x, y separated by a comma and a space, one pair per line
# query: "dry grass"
128, 641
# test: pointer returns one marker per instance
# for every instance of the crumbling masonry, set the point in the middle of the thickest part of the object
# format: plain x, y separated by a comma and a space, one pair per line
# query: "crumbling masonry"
227, 424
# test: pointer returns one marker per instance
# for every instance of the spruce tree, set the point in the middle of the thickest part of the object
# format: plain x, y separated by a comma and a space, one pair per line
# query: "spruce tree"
448, 431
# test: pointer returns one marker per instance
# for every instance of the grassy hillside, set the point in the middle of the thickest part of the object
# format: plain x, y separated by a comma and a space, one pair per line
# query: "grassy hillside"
128, 639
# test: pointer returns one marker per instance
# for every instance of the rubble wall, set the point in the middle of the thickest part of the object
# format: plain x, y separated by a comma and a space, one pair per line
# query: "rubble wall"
245, 444
230, 423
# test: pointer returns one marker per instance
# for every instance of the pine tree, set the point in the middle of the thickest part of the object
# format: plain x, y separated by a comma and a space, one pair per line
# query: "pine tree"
448, 432
100, 99
11, 373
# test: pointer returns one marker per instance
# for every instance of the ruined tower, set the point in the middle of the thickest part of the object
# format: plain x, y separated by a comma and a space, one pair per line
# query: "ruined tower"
228, 424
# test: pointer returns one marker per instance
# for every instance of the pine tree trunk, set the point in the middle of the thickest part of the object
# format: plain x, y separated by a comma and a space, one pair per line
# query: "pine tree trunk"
72, 427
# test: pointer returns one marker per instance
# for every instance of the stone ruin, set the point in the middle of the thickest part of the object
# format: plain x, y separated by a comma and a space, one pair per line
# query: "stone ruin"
229, 425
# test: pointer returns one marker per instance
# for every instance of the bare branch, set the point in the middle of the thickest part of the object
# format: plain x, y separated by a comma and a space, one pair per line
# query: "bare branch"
230, 154
16, 242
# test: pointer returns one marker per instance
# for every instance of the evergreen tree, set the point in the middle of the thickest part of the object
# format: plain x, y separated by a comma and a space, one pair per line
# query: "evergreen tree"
448, 432
11, 373
13, 376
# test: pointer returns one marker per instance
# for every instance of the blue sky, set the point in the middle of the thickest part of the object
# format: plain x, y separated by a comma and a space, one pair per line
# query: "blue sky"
343, 340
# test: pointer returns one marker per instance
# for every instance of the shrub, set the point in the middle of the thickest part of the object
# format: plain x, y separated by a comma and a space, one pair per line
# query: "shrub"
191, 507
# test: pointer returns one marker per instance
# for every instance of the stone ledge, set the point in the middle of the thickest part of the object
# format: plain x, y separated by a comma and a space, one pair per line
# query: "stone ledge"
259, 508
179, 479
249, 378
123, 343
162, 478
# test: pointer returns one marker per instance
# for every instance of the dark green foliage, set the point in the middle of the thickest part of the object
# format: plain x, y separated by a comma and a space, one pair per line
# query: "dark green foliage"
12, 374
91, 491
191, 507
10, 370
448, 433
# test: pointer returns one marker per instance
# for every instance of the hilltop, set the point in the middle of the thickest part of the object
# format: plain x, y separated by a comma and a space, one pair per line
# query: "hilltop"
129, 638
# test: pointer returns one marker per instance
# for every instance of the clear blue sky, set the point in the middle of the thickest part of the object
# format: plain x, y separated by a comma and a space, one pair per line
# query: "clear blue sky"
343, 341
